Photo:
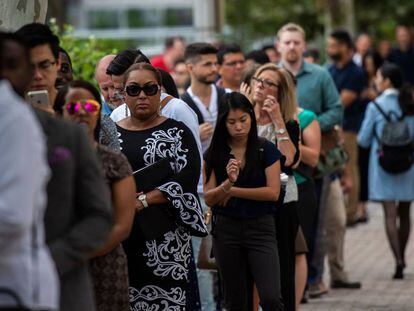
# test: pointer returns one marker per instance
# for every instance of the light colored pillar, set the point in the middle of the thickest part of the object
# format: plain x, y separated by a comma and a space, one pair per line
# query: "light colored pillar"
16, 13
204, 19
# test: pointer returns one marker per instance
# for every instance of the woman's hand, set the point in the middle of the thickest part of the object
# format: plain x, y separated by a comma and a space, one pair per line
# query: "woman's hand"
233, 170
272, 107
246, 90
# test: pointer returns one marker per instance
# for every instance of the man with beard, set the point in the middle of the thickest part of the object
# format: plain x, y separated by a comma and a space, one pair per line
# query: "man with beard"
316, 91
350, 81
204, 97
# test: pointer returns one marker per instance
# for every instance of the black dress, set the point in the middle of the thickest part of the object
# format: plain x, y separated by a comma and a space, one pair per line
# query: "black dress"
158, 268
109, 272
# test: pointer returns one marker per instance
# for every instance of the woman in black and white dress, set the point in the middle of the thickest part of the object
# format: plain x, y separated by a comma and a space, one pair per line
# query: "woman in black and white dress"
158, 267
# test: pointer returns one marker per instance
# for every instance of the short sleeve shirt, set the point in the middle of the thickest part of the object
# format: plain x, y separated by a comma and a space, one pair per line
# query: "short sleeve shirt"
305, 117
350, 77
243, 208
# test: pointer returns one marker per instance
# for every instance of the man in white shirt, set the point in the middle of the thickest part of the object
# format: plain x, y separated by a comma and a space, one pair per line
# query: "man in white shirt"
26, 266
204, 97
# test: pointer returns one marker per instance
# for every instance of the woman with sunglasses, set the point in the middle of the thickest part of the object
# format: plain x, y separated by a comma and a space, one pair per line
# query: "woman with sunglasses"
275, 108
158, 259
242, 186
80, 102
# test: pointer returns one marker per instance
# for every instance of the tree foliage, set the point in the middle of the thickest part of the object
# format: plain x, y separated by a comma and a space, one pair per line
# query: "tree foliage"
85, 53
250, 20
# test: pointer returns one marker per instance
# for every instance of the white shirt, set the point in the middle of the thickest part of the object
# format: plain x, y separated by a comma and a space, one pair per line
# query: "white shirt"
26, 266
357, 58
178, 110
209, 113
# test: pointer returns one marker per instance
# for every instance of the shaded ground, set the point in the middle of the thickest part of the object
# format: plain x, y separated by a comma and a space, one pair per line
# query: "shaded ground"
369, 260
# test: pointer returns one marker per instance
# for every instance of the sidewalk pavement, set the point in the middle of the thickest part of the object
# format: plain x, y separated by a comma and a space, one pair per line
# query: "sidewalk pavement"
368, 259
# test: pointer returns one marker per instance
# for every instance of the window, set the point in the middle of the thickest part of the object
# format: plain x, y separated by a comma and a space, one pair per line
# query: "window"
138, 18
101, 19
178, 17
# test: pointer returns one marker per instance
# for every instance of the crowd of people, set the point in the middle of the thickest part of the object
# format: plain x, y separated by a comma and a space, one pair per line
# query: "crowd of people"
205, 178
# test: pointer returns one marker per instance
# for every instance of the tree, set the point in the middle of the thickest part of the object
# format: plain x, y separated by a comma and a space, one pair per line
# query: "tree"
85, 53
251, 20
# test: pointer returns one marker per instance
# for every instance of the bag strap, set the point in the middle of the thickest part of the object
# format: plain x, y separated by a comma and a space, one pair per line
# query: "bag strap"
387, 117
190, 102
220, 103
165, 101
14, 295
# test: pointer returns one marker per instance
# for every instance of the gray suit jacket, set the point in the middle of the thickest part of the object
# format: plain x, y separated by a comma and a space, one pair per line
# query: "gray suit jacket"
78, 215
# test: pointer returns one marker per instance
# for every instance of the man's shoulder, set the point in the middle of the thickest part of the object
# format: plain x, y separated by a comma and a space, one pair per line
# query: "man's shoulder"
54, 122
59, 131
178, 107
157, 59
316, 70
354, 68
119, 113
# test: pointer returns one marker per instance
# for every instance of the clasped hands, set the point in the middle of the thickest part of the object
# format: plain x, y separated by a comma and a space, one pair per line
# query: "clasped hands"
233, 170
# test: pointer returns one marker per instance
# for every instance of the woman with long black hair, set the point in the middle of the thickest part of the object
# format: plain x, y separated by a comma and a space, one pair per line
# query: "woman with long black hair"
393, 191
242, 185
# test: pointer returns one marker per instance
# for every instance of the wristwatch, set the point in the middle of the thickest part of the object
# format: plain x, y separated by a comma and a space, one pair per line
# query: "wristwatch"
280, 131
143, 199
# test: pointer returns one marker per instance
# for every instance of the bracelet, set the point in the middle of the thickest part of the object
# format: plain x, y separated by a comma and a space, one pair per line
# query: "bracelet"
280, 131
284, 138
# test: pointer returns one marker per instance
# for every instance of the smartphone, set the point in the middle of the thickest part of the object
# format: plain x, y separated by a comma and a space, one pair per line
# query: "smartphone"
38, 98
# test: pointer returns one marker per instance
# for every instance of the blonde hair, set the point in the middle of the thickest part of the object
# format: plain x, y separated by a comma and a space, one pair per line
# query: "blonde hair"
286, 93
291, 27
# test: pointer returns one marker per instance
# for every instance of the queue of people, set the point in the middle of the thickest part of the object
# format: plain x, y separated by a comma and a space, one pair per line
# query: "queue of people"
113, 197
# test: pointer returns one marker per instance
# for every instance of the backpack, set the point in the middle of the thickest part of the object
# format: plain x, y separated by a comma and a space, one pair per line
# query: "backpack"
395, 151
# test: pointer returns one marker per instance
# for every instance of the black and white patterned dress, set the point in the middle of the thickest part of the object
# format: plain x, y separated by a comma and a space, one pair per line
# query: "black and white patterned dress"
158, 268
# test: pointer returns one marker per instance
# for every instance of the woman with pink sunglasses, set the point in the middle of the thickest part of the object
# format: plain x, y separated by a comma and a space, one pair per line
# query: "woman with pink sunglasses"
80, 102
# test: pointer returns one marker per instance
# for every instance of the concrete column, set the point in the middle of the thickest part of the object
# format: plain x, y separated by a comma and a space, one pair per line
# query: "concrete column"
204, 19
16, 13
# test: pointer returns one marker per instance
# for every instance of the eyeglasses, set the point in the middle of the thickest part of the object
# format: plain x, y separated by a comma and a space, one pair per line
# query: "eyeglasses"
235, 63
44, 65
91, 106
134, 90
265, 83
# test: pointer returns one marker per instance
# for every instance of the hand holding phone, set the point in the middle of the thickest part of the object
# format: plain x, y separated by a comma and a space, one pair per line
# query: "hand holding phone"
38, 98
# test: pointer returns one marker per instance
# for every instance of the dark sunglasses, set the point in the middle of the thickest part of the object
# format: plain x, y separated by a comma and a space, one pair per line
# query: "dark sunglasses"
90, 106
134, 90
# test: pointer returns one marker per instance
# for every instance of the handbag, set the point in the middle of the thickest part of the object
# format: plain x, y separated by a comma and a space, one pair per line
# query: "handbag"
333, 155
206, 260
155, 220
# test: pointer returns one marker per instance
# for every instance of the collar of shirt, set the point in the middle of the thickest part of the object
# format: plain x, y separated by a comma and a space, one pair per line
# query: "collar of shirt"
304, 68
390, 91
212, 109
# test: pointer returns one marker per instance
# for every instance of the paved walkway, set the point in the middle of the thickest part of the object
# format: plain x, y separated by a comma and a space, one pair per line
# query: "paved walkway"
369, 260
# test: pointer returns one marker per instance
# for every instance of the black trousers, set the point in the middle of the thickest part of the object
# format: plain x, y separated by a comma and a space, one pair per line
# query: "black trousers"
244, 248
363, 163
308, 213
287, 223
